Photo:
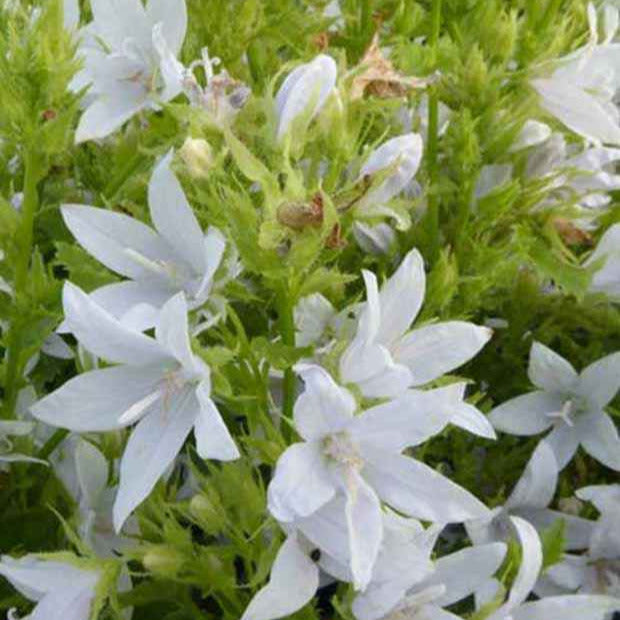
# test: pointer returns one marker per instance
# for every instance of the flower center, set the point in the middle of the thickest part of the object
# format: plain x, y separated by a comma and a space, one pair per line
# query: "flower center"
340, 448
571, 409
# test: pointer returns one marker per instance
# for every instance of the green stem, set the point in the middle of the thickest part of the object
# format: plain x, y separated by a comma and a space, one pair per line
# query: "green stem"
553, 6
287, 330
432, 148
52, 443
25, 236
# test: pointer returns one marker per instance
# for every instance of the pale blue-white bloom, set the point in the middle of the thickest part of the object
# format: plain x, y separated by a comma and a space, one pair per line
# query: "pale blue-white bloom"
571, 404
386, 357
516, 605
606, 279
598, 570
403, 154
175, 257
359, 456
304, 92
530, 500
580, 92
125, 49
60, 590
377, 239
157, 382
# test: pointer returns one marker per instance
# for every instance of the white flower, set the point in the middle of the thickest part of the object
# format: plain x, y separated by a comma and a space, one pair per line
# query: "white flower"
598, 570
158, 383
376, 239
62, 591
581, 90
360, 457
532, 133
530, 500
386, 357
571, 404
176, 256
304, 92
403, 154
124, 50
607, 277
575, 607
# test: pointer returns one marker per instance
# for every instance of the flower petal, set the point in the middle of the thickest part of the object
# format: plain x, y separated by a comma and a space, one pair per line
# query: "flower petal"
213, 440
323, 407
364, 527
105, 336
110, 237
172, 15
293, 582
419, 491
549, 371
537, 484
152, 447
301, 483
92, 472
572, 607
434, 350
118, 20
173, 217
172, 332
599, 437
600, 381
401, 298
564, 442
96, 400
526, 414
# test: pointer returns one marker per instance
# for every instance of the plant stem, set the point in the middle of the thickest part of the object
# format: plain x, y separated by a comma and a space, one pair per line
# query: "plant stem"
25, 232
432, 147
52, 443
287, 331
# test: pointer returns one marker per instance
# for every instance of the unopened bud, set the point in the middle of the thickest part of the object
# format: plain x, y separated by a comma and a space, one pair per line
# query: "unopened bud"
197, 155
163, 561
205, 513
301, 215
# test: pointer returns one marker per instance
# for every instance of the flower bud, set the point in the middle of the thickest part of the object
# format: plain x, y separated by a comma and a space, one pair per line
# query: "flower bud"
197, 156
205, 513
374, 239
163, 561
300, 215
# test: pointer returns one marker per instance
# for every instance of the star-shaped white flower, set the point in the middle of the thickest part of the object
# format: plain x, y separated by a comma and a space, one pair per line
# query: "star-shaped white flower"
304, 92
386, 357
360, 456
158, 383
598, 570
175, 257
62, 591
530, 500
571, 404
124, 49
580, 92
572, 607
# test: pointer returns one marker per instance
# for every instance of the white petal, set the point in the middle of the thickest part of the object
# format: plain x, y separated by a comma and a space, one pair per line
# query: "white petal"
531, 563
532, 134
109, 113
599, 437
577, 533
301, 483
96, 400
152, 447
578, 110
213, 440
599, 382
323, 407
305, 91
527, 414
173, 217
364, 526
172, 332
293, 582
313, 315
606, 497
135, 303
408, 420
575, 607
118, 20
378, 600
419, 491
100, 333
564, 442
401, 298
432, 351
71, 10
92, 472
172, 15
432, 612
74, 602
549, 371
108, 236
537, 484
463, 572
471, 419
